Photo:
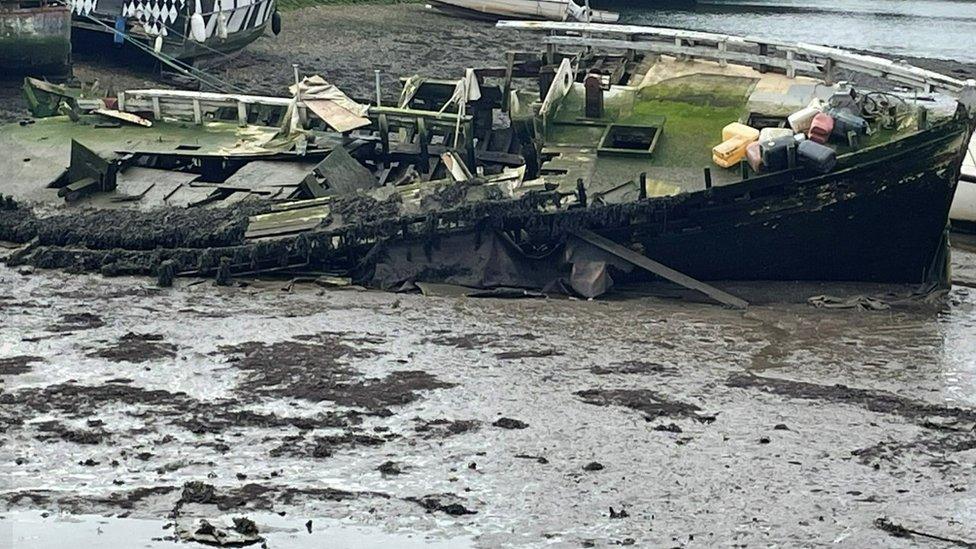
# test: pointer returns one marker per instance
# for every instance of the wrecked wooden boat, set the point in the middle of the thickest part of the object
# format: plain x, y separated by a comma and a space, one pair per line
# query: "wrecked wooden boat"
35, 38
180, 30
552, 10
631, 155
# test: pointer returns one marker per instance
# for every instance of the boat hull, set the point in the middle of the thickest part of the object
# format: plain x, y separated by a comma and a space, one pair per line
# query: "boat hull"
880, 217
963, 212
244, 23
550, 10
880, 220
35, 40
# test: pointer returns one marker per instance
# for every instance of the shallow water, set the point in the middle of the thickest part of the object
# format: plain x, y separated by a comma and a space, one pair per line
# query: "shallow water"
921, 28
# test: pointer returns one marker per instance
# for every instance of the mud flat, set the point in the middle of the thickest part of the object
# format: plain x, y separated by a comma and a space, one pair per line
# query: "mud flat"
399, 419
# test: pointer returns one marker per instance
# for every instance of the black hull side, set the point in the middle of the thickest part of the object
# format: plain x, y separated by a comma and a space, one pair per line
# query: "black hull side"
882, 221
877, 223
881, 217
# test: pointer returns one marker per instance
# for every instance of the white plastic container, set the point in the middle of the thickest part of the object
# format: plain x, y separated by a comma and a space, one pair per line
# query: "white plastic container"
767, 134
800, 120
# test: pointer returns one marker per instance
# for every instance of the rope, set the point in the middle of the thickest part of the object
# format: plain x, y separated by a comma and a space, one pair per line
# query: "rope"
181, 67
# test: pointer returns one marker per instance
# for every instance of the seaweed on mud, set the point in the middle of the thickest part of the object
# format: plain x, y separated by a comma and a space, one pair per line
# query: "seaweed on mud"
253, 496
137, 348
16, 365
326, 446
511, 424
72, 400
71, 322
179, 409
869, 399
462, 341
445, 503
442, 428
55, 429
17, 223
217, 419
314, 369
529, 353
650, 403
632, 367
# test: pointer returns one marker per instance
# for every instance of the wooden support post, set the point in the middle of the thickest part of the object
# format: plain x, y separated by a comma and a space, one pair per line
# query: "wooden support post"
660, 269
507, 90
828, 70
708, 178
722, 48
157, 112
470, 157
680, 57
642, 192
197, 113
744, 169
241, 114
763, 51
384, 130
121, 99
790, 67
423, 141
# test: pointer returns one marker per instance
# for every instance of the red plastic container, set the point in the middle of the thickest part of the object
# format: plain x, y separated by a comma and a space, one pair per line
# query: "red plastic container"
754, 156
821, 128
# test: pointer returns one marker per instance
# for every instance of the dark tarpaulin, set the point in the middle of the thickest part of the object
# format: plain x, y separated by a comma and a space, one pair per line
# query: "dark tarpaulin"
475, 260
490, 260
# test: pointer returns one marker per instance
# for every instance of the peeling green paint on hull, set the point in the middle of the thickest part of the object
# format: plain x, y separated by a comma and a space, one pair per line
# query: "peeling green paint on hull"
36, 41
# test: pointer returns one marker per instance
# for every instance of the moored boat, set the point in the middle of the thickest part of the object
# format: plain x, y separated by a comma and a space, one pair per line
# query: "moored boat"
35, 38
963, 212
185, 30
552, 10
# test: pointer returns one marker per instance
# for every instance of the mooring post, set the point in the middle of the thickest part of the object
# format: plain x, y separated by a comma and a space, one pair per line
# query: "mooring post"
379, 92
744, 169
642, 192
422, 141
507, 90
708, 178
581, 192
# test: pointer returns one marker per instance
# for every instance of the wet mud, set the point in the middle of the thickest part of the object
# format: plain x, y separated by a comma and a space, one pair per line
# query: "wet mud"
546, 423
454, 417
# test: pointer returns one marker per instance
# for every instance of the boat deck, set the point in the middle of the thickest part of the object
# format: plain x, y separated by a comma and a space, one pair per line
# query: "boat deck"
694, 100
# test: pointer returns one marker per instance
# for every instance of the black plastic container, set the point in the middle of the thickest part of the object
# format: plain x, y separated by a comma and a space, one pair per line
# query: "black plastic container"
776, 152
815, 156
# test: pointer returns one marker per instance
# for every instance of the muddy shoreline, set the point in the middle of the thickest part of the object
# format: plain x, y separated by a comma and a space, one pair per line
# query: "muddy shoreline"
483, 422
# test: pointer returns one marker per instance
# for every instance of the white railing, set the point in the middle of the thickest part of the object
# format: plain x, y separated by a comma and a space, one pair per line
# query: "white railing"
790, 58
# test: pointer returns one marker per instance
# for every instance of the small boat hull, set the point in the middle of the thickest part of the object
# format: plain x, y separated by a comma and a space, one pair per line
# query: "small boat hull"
35, 40
963, 212
227, 27
544, 10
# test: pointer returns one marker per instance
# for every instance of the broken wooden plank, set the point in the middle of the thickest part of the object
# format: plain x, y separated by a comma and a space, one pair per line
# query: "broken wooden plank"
124, 117
660, 269
340, 119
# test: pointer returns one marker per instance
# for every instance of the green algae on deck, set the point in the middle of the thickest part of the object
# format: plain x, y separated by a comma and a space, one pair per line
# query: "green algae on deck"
695, 109
36, 154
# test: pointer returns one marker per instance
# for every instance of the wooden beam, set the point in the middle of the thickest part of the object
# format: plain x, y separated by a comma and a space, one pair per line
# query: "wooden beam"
660, 269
